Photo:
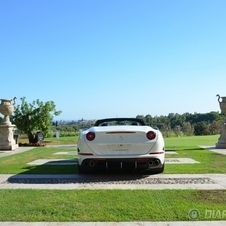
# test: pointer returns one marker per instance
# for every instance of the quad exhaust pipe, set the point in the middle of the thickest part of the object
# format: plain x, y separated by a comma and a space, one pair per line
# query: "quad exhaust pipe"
153, 162
89, 163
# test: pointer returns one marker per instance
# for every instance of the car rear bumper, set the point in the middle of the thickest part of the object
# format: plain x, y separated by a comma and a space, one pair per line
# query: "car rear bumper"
94, 164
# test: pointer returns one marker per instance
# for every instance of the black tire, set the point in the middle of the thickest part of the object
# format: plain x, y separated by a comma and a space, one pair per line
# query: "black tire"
84, 169
160, 170
81, 169
155, 171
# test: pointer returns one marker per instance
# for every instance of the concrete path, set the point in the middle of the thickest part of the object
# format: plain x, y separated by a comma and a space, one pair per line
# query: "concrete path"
16, 151
214, 149
75, 181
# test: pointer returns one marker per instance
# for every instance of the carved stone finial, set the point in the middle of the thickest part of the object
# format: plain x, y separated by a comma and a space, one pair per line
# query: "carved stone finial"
14, 100
218, 97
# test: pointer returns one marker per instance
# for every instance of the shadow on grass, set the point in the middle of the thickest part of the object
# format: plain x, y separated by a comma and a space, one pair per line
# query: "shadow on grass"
185, 149
192, 149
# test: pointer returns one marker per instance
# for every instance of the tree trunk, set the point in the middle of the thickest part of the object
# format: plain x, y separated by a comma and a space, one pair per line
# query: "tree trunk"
32, 138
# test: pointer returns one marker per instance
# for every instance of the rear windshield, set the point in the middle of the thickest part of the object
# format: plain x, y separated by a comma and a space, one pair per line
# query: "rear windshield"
119, 121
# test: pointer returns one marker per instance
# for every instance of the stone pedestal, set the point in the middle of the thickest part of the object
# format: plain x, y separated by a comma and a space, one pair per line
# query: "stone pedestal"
7, 141
222, 140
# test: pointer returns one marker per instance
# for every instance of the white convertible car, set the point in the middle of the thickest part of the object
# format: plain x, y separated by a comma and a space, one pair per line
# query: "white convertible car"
121, 144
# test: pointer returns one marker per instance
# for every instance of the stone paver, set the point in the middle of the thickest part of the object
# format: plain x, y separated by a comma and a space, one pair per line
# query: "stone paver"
219, 182
73, 162
63, 146
171, 153
14, 152
214, 149
66, 153
180, 161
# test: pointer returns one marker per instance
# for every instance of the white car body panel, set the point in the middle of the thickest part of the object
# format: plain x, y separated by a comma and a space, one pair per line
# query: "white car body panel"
121, 143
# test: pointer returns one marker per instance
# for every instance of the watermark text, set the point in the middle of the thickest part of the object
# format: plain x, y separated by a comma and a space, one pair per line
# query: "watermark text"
195, 214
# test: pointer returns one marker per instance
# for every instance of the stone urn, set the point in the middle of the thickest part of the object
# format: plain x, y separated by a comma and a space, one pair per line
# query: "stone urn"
222, 103
222, 140
7, 141
7, 108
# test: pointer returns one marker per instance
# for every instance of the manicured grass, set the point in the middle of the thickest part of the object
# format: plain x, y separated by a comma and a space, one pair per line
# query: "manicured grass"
108, 205
62, 140
31, 205
17, 163
184, 143
186, 147
210, 162
52, 141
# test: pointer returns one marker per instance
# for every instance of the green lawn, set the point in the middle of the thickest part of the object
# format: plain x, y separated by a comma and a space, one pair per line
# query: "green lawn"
114, 205
181, 143
17, 163
108, 205
186, 147
49, 141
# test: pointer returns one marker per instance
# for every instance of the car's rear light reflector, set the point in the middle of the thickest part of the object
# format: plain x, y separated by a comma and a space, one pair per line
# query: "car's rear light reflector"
85, 153
119, 132
151, 135
90, 136
156, 153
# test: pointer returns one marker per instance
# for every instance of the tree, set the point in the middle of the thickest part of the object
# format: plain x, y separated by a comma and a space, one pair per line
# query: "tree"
176, 119
177, 130
35, 117
214, 127
166, 130
148, 119
141, 117
187, 129
201, 128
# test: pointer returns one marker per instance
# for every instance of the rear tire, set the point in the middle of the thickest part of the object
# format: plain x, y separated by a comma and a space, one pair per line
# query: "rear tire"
160, 170
81, 170
155, 171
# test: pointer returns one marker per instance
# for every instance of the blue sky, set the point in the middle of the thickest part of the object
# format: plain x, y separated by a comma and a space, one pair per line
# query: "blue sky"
108, 58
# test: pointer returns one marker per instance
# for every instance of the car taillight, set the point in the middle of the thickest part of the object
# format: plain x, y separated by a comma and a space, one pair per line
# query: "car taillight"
90, 136
151, 135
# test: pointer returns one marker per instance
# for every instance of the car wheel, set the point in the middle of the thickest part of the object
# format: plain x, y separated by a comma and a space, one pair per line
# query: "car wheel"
160, 170
155, 171
81, 170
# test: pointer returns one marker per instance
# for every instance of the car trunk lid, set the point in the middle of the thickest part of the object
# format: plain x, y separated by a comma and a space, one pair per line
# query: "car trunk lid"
121, 141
